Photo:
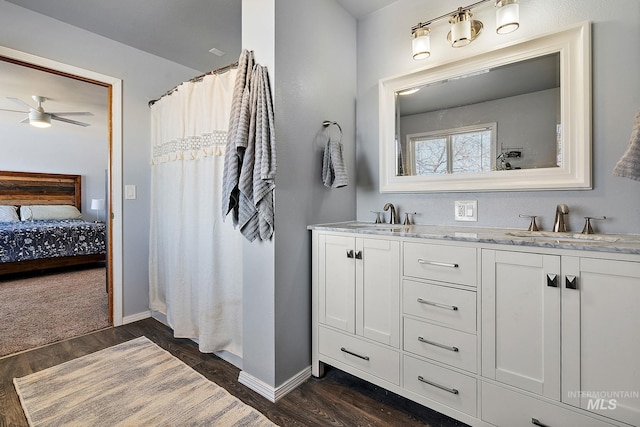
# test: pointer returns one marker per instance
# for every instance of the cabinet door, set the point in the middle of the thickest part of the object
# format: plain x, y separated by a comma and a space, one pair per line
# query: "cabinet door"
378, 290
336, 281
521, 320
601, 338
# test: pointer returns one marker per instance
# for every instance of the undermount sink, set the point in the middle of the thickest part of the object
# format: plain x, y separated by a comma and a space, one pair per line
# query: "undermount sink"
563, 237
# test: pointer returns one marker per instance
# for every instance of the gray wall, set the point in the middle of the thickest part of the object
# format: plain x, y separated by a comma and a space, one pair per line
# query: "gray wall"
144, 77
312, 62
384, 50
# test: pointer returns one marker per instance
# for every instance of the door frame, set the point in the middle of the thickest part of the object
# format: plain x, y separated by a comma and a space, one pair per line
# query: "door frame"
114, 170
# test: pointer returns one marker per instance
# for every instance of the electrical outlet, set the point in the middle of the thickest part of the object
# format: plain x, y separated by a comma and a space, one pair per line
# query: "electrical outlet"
466, 210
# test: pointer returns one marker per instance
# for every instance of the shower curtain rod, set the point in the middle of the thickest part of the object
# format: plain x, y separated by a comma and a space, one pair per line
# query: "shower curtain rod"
196, 79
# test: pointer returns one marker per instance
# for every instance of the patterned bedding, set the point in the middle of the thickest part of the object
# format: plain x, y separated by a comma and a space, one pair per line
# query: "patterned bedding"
28, 240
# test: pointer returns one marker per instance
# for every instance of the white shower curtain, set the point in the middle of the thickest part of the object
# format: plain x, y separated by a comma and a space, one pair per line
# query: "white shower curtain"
195, 258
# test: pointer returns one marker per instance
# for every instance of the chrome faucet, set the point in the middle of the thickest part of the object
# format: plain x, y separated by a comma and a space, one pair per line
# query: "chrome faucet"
394, 216
558, 224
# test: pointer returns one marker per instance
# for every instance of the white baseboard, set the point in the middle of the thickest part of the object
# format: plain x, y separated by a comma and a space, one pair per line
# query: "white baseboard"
273, 394
135, 317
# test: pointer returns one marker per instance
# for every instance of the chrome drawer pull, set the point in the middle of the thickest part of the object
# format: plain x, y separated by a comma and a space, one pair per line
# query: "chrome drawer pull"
439, 264
446, 347
354, 354
437, 304
441, 387
535, 422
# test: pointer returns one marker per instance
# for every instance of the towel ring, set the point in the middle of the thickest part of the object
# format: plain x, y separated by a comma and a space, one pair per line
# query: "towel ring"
328, 123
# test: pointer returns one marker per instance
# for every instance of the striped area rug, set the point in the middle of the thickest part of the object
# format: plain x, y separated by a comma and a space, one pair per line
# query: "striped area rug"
135, 383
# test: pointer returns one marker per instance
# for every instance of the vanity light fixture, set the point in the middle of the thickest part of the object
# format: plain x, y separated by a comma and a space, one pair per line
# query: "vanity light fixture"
421, 43
464, 29
507, 16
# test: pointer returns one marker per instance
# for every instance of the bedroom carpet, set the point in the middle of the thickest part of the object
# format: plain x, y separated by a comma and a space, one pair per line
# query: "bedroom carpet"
38, 310
131, 384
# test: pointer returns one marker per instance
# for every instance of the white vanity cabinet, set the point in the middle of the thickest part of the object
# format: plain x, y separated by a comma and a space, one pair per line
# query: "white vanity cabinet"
601, 337
439, 308
357, 300
562, 327
491, 332
521, 320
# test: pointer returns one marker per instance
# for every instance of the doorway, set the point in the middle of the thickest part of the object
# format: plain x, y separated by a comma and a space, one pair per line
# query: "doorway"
109, 187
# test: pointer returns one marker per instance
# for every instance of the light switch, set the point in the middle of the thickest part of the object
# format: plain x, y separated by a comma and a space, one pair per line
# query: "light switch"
130, 192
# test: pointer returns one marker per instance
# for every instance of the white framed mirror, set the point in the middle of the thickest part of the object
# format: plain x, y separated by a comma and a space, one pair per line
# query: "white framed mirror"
516, 118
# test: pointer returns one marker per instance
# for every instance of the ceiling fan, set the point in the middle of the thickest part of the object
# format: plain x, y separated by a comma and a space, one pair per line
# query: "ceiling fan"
39, 118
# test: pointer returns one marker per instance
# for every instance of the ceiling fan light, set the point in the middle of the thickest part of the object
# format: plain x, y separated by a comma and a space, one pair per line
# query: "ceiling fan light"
39, 119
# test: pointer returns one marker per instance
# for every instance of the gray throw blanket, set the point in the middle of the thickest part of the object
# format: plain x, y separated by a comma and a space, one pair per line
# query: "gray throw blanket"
250, 159
629, 164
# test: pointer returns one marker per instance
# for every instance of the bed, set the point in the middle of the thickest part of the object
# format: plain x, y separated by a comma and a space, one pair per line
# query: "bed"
38, 244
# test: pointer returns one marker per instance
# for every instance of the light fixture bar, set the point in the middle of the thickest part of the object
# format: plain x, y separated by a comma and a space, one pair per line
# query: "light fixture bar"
464, 29
447, 15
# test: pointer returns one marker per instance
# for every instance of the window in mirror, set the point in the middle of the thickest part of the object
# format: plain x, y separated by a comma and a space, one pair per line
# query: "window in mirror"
523, 97
461, 150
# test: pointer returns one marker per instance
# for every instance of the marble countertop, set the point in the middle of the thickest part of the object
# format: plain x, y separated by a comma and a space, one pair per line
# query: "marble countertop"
618, 243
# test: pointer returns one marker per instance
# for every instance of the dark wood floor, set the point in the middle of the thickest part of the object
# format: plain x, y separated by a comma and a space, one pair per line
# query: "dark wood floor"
337, 399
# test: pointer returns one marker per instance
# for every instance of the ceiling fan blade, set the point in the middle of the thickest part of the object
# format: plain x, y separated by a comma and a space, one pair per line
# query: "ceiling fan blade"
14, 111
24, 120
74, 113
21, 103
73, 122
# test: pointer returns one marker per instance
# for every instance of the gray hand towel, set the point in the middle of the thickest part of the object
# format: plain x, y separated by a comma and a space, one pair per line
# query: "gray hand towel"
629, 164
334, 171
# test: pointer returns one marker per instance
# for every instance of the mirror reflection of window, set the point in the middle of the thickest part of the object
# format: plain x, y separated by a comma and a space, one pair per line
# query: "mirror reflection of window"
469, 149
524, 97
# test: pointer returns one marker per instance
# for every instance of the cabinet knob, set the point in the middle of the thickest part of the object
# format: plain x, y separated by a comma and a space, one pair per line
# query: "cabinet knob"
552, 280
350, 253
571, 282
358, 254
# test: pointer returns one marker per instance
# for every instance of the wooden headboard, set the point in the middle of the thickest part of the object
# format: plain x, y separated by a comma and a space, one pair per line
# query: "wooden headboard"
32, 188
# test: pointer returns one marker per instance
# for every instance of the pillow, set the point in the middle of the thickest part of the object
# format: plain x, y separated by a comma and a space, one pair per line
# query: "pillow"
32, 212
9, 214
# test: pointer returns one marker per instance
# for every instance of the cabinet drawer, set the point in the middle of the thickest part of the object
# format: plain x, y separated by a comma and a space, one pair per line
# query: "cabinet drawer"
445, 345
455, 308
376, 360
506, 408
450, 388
453, 264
